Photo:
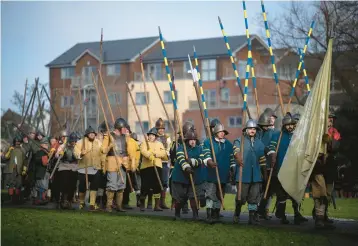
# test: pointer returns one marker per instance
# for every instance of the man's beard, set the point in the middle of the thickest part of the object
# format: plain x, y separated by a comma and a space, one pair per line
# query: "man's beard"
90, 139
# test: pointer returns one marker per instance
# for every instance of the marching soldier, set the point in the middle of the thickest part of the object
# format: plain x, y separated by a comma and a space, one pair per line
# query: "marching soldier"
165, 140
265, 124
88, 152
67, 171
224, 152
41, 161
115, 147
151, 157
288, 127
132, 165
182, 189
15, 169
253, 171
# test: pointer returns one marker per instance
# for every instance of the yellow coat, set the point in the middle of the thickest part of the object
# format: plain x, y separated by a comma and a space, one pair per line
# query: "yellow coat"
111, 164
92, 158
157, 149
133, 152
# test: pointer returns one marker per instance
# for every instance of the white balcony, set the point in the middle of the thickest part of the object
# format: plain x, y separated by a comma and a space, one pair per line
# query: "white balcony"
82, 81
179, 74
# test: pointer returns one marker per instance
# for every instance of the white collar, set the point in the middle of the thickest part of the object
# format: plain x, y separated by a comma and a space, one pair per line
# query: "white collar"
220, 140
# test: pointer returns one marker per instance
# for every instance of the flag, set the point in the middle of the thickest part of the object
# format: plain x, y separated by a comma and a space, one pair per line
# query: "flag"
306, 142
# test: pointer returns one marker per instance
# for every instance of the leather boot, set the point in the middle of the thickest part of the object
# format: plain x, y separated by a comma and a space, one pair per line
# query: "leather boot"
209, 218
110, 195
173, 204
326, 219
298, 219
93, 205
142, 204
281, 213
119, 200
195, 210
178, 207
162, 200
157, 204
251, 218
138, 200
237, 212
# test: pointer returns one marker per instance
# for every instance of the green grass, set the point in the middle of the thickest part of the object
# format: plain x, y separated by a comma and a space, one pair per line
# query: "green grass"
50, 227
347, 208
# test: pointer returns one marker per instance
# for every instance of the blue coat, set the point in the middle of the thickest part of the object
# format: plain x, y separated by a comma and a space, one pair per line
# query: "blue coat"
266, 137
224, 153
178, 174
285, 142
254, 159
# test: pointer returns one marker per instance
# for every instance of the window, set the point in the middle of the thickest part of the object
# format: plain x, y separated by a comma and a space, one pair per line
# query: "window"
186, 67
208, 70
242, 69
156, 70
113, 69
114, 98
210, 97
225, 94
67, 72
138, 129
140, 98
168, 97
67, 101
234, 121
87, 72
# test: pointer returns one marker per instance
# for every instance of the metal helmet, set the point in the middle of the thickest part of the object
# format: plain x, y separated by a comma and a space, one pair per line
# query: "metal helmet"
17, 138
160, 124
63, 133
264, 119
153, 131
296, 117
103, 128
73, 137
89, 130
120, 123
188, 126
270, 112
38, 133
190, 135
134, 136
220, 128
44, 141
250, 124
288, 119
214, 122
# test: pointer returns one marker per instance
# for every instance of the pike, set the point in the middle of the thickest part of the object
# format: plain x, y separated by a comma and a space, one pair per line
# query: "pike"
24, 102
249, 58
53, 110
197, 78
304, 73
27, 109
145, 90
175, 118
146, 140
59, 159
233, 63
111, 112
33, 101
176, 110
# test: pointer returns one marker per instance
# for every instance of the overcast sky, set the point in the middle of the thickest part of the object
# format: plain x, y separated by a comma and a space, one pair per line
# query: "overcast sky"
35, 33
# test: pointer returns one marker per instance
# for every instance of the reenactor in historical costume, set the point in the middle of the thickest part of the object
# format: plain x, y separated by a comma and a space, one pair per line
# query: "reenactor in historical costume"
15, 169
54, 186
182, 189
288, 127
88, 152
188, 126
321, 192
265, 133
131, 167
136, 163
41, 161
165, 140
151, 157
253, 171
115, 147
67, 171
224, 152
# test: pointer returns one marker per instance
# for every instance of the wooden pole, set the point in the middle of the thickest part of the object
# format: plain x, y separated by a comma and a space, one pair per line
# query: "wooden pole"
145, 138
106, 122
145, 91
24, 102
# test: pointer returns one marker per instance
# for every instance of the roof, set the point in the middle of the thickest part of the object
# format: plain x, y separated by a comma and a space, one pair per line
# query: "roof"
205, 48
119, 51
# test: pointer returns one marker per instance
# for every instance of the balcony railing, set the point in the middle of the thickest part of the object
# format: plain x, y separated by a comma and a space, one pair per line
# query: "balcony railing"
162, 75
81, 81
261, 71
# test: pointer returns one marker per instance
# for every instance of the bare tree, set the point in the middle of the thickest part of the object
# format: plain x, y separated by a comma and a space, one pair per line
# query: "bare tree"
338, 20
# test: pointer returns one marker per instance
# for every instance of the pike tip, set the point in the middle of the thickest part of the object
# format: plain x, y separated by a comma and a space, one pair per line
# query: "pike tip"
194, 48
160, 31
219, 19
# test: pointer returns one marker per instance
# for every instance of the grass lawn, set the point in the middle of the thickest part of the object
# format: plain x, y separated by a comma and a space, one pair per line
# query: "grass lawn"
347, 208
50, 227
